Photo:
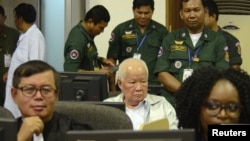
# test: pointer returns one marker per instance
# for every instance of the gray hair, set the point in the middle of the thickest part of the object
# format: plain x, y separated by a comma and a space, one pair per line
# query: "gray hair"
123, 67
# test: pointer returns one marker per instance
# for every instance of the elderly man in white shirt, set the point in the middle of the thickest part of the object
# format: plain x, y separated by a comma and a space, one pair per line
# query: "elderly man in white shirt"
30, 46
141, 107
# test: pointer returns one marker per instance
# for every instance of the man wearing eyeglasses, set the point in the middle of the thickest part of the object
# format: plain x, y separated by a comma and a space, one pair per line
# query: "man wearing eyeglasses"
35, 91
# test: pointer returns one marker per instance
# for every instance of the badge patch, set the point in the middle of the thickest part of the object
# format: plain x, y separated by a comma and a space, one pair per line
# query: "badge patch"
183, 34
128, 32
178, 42
226, 54
238, 48
205, 35
74, 54
112, 37
129, 49
178, 64
160, 52
178, 48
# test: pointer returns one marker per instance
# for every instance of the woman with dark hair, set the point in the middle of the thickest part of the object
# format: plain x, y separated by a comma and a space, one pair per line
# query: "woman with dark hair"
213, 96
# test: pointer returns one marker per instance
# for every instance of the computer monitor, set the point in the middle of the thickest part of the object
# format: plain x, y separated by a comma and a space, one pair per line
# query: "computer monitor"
8, 129
155, 89
1, 133
118, 105
83, 86
131, 135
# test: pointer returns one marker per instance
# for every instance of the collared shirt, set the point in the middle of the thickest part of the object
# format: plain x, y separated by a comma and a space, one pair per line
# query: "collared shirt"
155, 107
138, 115
178, 49
80, 51
30, 46
127, 39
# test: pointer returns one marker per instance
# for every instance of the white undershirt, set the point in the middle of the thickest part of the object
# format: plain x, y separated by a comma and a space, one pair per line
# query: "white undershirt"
38, 138
195, 38
137, 115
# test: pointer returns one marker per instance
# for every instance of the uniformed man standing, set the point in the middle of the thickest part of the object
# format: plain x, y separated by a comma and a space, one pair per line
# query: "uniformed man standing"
8, 40
80, 52
140, 37
188, 49
234, 48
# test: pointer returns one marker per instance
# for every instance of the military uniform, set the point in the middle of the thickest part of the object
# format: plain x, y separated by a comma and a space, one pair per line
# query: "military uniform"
80, 51
178, 53
234, 48
8, 41
127, 39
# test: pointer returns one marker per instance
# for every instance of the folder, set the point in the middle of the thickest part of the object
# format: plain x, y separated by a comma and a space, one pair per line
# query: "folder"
161, 124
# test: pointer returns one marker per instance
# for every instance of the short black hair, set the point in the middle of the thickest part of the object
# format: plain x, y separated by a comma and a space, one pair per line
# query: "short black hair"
98, 14
34, 67
181, 2
212, 8
2, 10
139, 3
26, 11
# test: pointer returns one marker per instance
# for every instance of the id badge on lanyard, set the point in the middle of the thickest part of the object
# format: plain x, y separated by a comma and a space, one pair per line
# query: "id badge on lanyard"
7, 59
137, 55
139, 45
186, 73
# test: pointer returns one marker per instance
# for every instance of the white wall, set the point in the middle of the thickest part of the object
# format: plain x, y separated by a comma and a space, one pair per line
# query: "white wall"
52, 26
121, 10
58, 17
241, 21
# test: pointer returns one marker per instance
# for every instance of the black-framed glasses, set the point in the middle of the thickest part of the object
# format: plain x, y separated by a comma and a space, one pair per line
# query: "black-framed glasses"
31, 91
214, 107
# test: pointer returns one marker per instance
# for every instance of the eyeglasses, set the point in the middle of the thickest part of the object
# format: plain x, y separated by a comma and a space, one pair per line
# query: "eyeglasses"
30, 91
214, 107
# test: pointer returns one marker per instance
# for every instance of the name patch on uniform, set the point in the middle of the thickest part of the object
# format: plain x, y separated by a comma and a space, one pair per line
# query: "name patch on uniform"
178, 48
128, 36
74, 54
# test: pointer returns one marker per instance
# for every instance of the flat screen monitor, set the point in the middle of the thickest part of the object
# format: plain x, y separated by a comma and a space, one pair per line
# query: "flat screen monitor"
155, 89
1, 133
118, 105
83, 86
8, 129
130, 135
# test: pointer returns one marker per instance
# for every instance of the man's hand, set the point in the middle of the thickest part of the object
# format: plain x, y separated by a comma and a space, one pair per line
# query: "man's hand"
107, 63
30, 126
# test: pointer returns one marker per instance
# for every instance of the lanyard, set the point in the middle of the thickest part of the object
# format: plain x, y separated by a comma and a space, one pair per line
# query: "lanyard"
190, 59
140, 44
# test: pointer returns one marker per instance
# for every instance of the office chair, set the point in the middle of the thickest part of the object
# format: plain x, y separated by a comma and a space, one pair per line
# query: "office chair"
100, 117
5, 113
